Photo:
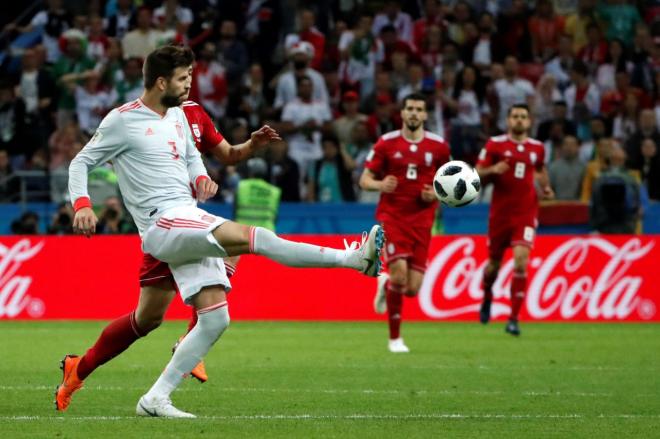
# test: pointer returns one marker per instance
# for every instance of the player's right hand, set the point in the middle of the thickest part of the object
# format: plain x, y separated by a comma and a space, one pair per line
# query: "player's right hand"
84, 221
500, 167
388, 185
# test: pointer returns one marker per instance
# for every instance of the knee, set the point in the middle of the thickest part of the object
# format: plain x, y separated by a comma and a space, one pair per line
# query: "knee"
520, 264
214, 322
399, 279
148, 322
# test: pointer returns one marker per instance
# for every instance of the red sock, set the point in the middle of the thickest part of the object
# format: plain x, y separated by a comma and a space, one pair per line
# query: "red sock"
394, 298
518, 287
115, 339
193, 320
487, 284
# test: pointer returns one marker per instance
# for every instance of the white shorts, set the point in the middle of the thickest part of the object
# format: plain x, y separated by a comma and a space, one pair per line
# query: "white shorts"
182, 237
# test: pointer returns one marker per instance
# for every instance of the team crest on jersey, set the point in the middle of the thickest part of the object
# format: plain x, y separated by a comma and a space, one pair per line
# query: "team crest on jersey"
533, 157
195, 129
179, 130
428, 157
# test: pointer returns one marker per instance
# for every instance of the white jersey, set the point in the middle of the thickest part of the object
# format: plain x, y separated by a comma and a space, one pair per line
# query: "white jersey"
154, 157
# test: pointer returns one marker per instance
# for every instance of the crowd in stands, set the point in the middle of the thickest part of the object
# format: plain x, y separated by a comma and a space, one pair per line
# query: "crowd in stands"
329, 76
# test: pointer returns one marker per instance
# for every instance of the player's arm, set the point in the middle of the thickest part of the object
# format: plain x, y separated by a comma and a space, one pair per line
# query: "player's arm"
205, 188
487, 165
107, 143
232, 154
374, 166
543, 180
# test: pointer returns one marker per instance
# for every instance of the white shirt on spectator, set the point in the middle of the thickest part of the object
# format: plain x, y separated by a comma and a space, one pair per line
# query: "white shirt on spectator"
354, 70
305, 149
87, 105
591, 99
402, 23
182, 14
469, 111
51, 44
287, 89
509, 93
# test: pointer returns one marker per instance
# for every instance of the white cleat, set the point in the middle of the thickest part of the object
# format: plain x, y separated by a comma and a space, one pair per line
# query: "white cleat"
397, 346
366, 257
380, 300
159, 408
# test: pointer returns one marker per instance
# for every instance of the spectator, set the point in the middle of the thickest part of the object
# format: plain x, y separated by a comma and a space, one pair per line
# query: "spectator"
649, 168
433, 17
64, 144
303, 122
113, 219
552, 144
209, 85
233, 53
393, 43
53, 21
560, 66
330, 178
27, 224
139, 42
130, 86
595, 52
171, 13
601, 161
597, 131
253, 104
414, 82
360, 52
393, 16
383, 120
71, 70
612, 102
485, 51
625, 122
581, 93
647, 130
620, 19
62, 223
308, 32
545, 28
616, 62
263, 23
92, 103
461, 17
643, 70
430, 48
12, 122
468, 105
616, 197
283, 171
257, 202
97, 42
343, 126
559, 116
121, 20
511, 90
545, 99
513, 33
9, 186
577, 23
567, 171
301, 54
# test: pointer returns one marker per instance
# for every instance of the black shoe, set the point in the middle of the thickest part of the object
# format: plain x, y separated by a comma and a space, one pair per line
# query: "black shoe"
512, 328
484, 312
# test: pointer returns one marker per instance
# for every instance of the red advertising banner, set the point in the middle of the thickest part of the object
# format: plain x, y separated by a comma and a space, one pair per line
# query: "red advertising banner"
590, 278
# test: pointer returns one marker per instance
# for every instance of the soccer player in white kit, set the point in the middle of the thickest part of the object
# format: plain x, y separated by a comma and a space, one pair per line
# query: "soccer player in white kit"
151, 148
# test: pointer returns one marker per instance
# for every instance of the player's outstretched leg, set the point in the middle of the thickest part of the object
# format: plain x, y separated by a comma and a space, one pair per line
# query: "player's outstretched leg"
380, 300
213, 320
363, 256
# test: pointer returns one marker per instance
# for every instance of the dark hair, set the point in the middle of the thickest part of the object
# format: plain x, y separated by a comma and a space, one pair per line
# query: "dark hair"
413, 97
162, 62
518, 106
479, 84
580, 68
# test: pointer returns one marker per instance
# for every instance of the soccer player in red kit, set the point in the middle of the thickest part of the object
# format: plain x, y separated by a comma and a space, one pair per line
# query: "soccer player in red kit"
401, 166
514, 163
157, 287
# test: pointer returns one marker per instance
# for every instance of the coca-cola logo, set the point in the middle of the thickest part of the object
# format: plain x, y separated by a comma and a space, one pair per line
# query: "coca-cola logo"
582, 277
14, 287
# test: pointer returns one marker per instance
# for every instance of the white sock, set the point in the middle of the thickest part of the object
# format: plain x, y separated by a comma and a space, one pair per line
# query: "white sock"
295, 254
211, 323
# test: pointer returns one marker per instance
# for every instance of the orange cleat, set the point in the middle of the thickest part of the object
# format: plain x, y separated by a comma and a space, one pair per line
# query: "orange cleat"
199, 371
70, 382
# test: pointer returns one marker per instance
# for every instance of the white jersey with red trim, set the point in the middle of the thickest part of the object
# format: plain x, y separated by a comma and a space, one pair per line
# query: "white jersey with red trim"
154, 156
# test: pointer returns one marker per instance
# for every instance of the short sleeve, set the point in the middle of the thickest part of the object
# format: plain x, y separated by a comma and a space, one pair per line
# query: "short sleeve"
540, 163
376, 158
210, 135
486, 158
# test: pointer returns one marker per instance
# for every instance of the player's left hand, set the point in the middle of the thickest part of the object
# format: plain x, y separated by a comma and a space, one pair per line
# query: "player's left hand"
428, 194
263, 136
206, 189
548, 193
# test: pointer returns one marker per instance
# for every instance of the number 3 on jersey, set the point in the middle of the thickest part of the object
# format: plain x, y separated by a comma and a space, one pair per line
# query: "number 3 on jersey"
175, 153
519, 171
411, 174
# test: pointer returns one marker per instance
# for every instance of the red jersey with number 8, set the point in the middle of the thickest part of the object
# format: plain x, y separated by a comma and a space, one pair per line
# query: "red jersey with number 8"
413, 164
514, 192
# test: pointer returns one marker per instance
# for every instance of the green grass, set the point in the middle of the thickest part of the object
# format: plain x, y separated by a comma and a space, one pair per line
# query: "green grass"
338, 380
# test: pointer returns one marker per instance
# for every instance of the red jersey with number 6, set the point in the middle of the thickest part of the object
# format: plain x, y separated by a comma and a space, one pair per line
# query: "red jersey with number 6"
204, 133
514, 192
413, 164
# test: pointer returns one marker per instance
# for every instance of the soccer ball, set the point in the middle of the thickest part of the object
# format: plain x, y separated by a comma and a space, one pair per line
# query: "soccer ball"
456, 183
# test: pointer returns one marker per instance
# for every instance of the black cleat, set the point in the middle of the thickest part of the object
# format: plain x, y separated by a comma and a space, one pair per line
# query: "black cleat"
512, 328
484, 312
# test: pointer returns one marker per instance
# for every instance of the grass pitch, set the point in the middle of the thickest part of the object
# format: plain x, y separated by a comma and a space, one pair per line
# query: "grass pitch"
338, 380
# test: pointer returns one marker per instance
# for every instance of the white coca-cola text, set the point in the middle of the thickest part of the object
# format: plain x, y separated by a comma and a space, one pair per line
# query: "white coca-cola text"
13, 287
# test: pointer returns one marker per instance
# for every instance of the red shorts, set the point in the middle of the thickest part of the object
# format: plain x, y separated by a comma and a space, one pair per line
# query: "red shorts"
409, 243
506, 233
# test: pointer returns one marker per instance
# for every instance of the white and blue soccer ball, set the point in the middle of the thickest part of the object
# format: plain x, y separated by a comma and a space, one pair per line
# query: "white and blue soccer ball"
456, 183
